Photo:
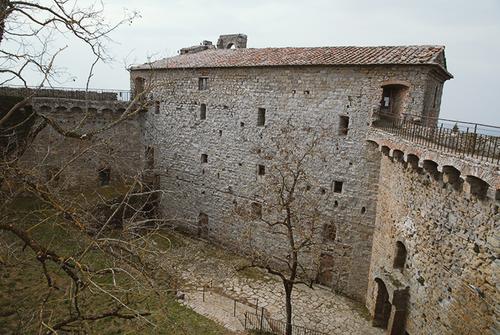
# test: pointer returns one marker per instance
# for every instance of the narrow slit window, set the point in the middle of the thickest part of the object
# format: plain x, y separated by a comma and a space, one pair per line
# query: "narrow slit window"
435, 97
337, 186
261, 117
204, 158
330, 232
400, 256
139, 84
343, 125
202, 83
104, 176
203, 111
157, 107
261, 170
150, 157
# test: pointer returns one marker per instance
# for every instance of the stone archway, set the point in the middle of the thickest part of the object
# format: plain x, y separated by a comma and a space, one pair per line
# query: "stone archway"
382, 306
390, 306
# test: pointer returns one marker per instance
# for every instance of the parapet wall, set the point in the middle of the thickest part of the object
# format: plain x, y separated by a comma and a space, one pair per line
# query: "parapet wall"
111, 156
59, 93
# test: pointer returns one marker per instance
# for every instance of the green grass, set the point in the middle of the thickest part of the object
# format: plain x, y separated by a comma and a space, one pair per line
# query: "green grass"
24, 294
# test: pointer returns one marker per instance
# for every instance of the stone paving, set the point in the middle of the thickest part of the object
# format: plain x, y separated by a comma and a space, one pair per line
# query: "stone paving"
199, 264
218, 308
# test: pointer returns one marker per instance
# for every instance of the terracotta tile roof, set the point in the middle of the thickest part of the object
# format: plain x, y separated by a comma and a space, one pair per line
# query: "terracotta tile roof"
382, 55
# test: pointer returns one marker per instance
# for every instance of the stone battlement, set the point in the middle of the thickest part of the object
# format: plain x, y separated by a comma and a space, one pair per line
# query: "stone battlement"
67, 93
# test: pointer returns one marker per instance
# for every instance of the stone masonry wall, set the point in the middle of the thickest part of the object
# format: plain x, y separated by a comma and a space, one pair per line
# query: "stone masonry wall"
452, 245
118, 148
310, 96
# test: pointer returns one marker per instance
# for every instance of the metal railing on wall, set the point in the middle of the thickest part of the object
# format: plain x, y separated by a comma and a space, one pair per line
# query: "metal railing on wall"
465, 139
252, 315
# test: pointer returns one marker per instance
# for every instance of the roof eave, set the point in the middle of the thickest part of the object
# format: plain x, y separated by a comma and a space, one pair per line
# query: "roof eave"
149, 67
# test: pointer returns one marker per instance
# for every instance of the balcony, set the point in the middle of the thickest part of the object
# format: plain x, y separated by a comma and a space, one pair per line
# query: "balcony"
465, 139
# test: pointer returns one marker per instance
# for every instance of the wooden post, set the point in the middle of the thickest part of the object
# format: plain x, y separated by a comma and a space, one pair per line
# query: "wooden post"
234, 308
203, 293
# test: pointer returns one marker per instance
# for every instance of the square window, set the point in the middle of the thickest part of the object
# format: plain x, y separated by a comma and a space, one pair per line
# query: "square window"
261, 170
337, 186
261, 117
202, 83
204, 158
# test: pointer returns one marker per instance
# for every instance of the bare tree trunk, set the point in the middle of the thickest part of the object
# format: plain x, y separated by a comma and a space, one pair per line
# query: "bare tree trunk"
288, 302
3, 16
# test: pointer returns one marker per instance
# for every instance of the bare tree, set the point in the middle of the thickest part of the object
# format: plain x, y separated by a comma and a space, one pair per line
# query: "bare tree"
291, 208
27, 32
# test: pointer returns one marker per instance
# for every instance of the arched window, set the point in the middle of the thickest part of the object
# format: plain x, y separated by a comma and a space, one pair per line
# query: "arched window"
400, 257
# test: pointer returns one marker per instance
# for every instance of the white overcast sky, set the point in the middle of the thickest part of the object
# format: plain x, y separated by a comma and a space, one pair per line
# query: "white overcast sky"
469, 29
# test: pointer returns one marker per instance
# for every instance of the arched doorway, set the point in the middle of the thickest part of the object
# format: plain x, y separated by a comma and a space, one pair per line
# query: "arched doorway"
382, 306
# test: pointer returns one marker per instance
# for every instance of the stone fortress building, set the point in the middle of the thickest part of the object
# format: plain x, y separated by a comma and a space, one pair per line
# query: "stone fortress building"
415, 228
415, 206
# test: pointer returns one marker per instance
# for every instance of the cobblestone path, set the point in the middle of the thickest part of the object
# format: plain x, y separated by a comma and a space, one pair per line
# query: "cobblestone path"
199, 264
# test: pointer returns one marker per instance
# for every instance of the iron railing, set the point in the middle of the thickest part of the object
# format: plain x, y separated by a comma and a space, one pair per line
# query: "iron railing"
121, 95
465, 139
266, 325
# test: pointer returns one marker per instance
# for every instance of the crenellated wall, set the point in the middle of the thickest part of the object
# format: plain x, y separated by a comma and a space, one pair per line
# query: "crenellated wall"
448, 224
118, 149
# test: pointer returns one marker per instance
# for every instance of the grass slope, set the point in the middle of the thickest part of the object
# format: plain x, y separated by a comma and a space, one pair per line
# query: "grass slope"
25, 298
